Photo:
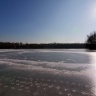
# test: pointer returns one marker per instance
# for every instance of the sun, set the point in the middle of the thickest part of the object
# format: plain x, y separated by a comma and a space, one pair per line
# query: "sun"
93, 11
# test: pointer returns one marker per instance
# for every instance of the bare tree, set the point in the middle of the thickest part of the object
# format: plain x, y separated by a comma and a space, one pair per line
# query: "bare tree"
91, 41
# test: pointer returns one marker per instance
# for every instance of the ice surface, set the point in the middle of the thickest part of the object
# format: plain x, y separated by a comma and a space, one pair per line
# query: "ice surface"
37, 73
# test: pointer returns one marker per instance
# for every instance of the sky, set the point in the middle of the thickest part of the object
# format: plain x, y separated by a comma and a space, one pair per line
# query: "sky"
47, 21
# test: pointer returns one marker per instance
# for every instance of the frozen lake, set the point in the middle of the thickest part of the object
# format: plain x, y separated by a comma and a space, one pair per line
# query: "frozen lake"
52, 72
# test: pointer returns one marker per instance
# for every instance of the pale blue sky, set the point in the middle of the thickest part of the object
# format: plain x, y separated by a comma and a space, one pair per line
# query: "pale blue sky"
47, 21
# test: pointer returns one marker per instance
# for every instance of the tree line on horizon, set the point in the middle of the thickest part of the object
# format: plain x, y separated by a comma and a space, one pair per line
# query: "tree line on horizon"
90, 43
9, 45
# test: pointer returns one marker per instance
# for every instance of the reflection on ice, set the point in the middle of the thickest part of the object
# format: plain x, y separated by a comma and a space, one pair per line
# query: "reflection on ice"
58, 73
93, 71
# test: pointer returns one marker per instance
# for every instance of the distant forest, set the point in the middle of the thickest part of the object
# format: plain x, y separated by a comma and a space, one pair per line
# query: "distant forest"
9, 45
